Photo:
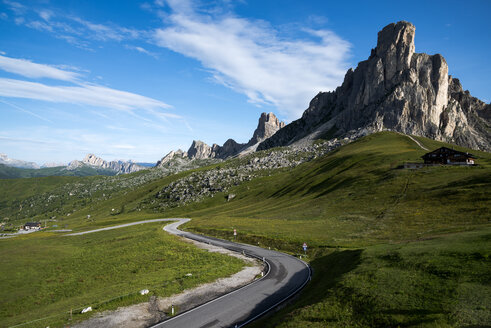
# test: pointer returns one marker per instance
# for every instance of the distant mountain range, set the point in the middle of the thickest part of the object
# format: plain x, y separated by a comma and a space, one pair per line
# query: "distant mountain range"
120, 167
90, 165
17, 163
9, 172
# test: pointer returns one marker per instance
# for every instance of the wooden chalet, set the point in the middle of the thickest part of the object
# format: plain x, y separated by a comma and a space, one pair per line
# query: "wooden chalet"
447, 156
32, 225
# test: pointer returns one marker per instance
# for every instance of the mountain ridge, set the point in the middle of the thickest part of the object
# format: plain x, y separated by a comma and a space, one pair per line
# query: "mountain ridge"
267, 126
5, 160
394, 89
121, 167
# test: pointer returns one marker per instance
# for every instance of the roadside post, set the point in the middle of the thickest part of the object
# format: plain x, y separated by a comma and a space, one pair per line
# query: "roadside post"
305, 248
235, 234
172, 309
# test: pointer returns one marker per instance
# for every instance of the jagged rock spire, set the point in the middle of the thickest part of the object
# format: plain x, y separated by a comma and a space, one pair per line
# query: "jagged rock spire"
397, 89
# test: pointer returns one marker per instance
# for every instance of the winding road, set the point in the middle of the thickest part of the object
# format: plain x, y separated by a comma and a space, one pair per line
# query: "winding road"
286, 276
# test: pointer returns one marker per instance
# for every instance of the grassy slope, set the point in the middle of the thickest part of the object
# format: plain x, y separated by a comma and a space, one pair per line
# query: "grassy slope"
367, 224
44, 274
7, 172
355, 210
443, 282
353, 197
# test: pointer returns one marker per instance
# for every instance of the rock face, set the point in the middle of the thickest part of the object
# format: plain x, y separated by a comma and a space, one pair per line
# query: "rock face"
199, 150
172, 155
118, 166
267, 126
395, 89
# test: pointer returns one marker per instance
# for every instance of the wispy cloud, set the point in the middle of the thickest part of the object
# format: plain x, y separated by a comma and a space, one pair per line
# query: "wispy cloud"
106, 32
25, 111
16, 7
24, 140
250, 57
80, 93
141, 50
71, 28
46, 14
93, 95
33, 70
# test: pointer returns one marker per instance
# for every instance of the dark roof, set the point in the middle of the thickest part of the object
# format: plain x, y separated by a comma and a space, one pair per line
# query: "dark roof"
32, 224
446, 150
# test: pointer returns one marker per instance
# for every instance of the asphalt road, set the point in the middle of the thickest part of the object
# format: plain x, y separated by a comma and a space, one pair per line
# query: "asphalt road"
286, 276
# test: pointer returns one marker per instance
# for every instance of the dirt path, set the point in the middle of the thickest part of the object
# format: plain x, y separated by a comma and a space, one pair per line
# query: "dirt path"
417, 142
154, 311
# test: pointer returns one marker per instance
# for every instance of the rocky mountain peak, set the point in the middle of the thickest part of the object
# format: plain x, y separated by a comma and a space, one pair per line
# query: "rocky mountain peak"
267, 126
397, 89
5, 160
199, 150
120, 167
395, 46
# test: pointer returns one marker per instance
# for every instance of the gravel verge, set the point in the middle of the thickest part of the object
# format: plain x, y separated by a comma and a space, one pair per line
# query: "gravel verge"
157, 308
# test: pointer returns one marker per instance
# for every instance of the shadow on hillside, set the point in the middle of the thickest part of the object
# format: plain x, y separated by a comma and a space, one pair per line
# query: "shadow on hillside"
323, 179
328, 272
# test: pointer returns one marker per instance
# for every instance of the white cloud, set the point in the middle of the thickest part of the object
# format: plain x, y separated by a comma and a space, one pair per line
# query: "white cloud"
71, 28
141, 50
33, 70
38, 25
103, 32
85, 94
46, 14
250, 57
16, 7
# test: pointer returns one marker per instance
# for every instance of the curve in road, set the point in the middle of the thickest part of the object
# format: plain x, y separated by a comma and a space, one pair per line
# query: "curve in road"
286, 276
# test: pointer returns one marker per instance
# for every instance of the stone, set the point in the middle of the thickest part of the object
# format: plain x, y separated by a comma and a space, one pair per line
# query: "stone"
267, 126
121, 167
199, 150
394, 89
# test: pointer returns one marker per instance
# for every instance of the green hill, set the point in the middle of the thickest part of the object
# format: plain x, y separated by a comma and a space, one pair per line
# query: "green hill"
7, 172
389, 246
356, 195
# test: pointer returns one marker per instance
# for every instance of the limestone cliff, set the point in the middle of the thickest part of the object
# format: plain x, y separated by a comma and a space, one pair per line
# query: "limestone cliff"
120, 167
267, 126
397, 89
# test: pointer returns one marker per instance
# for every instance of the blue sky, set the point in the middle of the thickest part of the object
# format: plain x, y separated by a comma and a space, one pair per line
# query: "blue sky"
134, 79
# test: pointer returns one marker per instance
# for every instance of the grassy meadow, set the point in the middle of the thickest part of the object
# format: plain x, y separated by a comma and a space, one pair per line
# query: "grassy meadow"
390, 247
442, 282
45, 274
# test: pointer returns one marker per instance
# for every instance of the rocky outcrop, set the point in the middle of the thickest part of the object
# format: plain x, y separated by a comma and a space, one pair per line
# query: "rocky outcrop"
202, 184
267, 126
395, 89
120, 167
199, 150
73, 165
178, 154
